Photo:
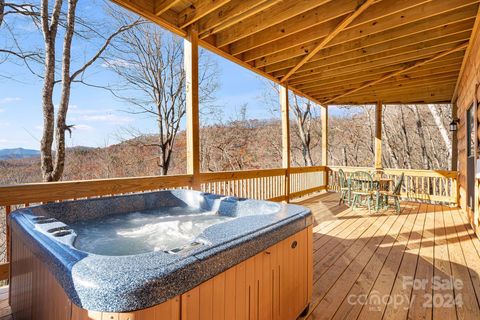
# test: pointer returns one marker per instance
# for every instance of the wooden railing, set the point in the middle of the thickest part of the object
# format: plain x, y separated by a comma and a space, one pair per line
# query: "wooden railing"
271, 184
420, 185
268, 184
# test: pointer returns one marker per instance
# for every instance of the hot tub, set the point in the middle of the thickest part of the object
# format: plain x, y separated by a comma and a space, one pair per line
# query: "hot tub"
123, 254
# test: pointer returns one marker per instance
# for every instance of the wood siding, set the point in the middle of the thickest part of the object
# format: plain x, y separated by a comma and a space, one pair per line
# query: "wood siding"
466, 96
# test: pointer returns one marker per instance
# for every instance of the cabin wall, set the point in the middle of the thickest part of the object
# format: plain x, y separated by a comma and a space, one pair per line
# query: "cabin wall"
467, 96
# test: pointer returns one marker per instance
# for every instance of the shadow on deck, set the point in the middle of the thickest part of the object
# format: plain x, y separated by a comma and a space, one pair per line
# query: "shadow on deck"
423, 263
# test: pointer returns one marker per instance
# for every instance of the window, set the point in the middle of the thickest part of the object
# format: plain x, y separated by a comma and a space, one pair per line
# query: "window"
470, 132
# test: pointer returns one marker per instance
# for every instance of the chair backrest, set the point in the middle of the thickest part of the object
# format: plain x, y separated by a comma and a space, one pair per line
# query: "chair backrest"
343, 179
398, 185
361, 181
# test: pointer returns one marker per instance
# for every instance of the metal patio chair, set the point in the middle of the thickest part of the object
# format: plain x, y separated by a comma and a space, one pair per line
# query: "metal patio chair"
343, 188
362, 189
395, 194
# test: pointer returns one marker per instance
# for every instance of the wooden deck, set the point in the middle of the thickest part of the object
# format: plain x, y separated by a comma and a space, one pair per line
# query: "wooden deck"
388, 266
423, 263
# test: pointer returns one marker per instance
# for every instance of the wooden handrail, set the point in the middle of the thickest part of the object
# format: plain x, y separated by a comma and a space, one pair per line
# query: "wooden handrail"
423, 185
66, 190
260, 184
238, 175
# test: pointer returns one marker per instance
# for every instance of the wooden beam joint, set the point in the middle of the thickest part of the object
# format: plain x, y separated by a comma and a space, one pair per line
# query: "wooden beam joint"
341, 26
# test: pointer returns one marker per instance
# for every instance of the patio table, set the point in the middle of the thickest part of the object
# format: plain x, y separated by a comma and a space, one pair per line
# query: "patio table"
379, 184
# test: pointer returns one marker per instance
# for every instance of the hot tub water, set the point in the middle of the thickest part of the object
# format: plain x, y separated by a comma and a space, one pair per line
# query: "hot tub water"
167, 229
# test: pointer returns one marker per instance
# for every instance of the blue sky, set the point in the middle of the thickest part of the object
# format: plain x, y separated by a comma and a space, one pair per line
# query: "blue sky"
99, 118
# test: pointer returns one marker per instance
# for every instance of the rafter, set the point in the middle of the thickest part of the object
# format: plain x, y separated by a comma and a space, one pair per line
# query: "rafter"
163, 6
476, 27
402, 85
436, 93
396, 27
283, 60
460, 47
313, 19
198, 10
338, 83
231, 14
376, 71
407, 58
330, 37
274, 15
399, 81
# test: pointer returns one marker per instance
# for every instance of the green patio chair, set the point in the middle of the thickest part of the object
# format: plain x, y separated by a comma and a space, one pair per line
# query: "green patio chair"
343, 188
395, 194
362, 189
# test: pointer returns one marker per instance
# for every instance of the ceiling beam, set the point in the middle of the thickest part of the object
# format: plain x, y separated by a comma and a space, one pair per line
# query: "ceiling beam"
376, 71
282, 61
198, 10
330, 37
230, 14
426, 91
444, 90
394, 48
312, 20
338, 83
392, 83
413, 10
163, 6
460, 47
167, 20
308, 26
467, 52
398, 26
274, 15
362, 66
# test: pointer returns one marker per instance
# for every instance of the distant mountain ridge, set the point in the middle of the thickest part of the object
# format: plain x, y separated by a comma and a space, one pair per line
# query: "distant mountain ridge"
18, 153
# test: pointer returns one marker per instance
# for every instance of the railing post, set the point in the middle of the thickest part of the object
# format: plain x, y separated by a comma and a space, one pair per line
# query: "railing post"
378, 136
284, 106
324, 118
193, 132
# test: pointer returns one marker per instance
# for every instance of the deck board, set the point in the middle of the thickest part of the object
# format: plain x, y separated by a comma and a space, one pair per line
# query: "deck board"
378, 257
371, 255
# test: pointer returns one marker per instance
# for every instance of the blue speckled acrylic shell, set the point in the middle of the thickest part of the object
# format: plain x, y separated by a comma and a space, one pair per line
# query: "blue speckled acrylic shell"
127, 283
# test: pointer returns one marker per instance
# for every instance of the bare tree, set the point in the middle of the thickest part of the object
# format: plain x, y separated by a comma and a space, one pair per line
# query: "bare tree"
441, 128
305, 123
304, 117
55, 123
11, 47
150, 62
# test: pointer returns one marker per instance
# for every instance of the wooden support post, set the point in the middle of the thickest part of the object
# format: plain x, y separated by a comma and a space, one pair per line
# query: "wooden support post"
284, 105
324, 117
193, 132
454, 151
378, 136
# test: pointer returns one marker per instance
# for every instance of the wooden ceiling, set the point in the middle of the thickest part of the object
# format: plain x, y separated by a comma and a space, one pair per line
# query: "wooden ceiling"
334, 51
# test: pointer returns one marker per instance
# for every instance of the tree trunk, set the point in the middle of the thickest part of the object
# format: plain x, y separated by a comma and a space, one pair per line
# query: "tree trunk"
406, 141
2, 10
61, 125
441, 127
49, 29
52, 165
388, 143
421, 135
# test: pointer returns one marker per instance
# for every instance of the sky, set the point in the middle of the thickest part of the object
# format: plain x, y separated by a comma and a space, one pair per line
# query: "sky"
98, 117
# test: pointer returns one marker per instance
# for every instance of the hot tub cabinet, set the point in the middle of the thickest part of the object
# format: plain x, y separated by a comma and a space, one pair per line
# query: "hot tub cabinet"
255, 266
